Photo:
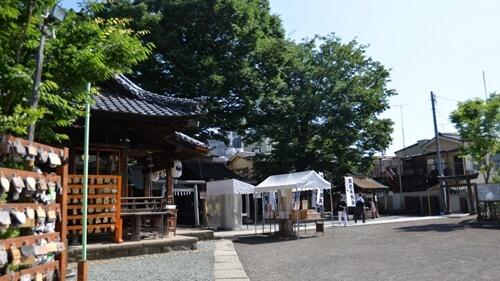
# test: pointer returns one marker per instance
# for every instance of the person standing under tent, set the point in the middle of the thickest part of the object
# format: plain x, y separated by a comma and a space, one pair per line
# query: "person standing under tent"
359, 212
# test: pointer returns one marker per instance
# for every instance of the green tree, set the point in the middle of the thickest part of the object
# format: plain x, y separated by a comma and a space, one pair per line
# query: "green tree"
224, 52
326, 114
86, 49
478, 122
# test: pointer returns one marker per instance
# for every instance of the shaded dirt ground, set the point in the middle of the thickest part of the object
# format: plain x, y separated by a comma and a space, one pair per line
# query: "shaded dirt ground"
444, 249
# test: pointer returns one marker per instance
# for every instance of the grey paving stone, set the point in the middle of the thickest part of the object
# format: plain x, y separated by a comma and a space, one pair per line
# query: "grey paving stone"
232, 252
228, 265
226, 259
230, 273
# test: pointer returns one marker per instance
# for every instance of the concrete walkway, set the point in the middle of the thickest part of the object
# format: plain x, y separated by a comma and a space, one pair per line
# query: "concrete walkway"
328, 224
227, 266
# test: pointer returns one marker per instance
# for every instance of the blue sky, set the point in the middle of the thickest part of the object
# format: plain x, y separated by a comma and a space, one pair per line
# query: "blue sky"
441, 46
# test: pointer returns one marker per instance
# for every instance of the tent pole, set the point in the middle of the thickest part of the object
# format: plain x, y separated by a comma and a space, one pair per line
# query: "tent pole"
298, 221
255, 213
196, 207
263, 217
331, 209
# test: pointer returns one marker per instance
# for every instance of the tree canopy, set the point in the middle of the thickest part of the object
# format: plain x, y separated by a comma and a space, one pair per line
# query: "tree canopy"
223, 52
325, 116
86, 49
478, 122
317, 101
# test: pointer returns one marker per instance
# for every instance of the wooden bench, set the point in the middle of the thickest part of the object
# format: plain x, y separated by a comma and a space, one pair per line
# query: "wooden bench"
137, 208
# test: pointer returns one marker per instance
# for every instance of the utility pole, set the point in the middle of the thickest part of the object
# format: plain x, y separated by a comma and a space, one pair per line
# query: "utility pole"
438, 149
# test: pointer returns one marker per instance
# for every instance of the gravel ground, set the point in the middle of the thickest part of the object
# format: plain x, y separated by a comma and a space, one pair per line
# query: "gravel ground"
444, 249
196, 265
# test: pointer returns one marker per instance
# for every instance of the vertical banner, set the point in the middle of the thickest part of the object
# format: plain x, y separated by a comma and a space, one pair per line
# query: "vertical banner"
272, 200
314, 199
349, 192
296, 200
265, 209
319, 198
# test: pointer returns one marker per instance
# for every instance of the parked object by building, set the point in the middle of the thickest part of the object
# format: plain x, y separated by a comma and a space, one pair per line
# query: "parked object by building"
191, 190
225, 204
416, 167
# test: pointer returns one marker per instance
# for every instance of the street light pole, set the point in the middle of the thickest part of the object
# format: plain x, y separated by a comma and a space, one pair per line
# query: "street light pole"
37, 79
56, 14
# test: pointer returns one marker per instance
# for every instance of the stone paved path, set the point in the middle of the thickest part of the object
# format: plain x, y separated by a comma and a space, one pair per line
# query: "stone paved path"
227, 266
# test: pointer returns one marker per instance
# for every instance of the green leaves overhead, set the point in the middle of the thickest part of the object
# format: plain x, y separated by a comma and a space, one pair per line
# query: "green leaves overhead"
478, 123
86, 49
325, 114
317, 101
219, 51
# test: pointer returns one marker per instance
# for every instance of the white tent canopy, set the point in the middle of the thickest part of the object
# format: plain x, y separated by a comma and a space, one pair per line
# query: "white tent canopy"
230, 186
301, 181
224, 203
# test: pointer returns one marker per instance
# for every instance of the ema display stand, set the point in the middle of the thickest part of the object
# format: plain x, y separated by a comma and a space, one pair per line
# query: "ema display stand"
33, 210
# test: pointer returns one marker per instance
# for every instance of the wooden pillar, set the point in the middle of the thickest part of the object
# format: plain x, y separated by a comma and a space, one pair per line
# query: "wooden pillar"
170, 188
124, 172
119, 222
171, 220
83, 271
62, 227
147, 183
472, 209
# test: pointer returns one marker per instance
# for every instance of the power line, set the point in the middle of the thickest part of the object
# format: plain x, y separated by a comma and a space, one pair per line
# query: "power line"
445, 98
442, 116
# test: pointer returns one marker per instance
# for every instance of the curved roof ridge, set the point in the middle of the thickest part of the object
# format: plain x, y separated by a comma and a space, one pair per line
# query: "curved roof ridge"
142, 94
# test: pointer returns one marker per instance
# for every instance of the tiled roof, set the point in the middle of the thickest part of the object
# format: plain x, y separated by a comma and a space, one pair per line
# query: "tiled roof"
123, 96
189, 140
206, 171
453, 136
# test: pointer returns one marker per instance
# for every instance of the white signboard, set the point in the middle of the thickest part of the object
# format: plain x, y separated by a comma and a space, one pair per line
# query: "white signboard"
349, 192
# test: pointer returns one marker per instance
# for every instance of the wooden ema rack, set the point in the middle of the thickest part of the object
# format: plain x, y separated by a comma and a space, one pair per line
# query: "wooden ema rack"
50, 266
48, 177
104, 205
41, 146
61, 175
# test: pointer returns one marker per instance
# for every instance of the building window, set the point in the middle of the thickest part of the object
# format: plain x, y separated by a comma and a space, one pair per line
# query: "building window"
101, 162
